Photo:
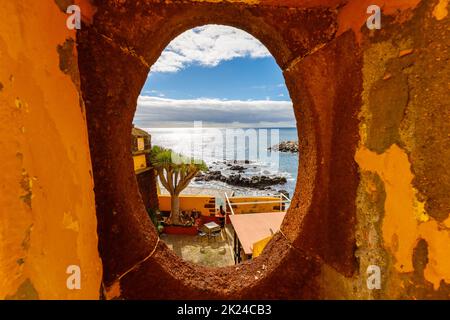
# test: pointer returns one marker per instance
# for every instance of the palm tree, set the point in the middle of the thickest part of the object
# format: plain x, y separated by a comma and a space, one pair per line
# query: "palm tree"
175, 171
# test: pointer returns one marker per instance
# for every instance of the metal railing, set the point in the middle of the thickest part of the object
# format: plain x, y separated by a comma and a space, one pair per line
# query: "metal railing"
228, 203
280, 202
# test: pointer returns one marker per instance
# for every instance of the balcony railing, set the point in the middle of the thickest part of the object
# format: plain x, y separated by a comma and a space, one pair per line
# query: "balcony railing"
283, 199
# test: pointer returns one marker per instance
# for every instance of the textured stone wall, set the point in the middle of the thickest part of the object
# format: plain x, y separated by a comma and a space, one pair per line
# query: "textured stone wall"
404, 132
404, 152
346, 108
148, 190
47, 209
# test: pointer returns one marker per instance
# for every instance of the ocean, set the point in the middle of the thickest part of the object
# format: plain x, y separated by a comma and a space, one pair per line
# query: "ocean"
216, 148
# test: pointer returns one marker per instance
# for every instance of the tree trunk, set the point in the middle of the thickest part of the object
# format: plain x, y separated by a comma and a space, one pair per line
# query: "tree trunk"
175, 209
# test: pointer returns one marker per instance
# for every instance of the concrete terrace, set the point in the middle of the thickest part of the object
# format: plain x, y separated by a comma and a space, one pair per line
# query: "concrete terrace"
199, 250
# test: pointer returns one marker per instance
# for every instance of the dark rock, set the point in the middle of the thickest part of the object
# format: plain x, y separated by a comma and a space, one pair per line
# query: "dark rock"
256, 182
211, 175
285, 146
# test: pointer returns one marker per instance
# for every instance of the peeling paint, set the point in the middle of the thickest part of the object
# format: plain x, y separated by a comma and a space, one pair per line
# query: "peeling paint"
370, 245
354, 14
231, 1
113, 291
44, 159
70, 222
404, 220
402, 201
441, 10
447, 223
67, 60
27, 238
26, 291
406, 52
438, 268
27, 186
63, 4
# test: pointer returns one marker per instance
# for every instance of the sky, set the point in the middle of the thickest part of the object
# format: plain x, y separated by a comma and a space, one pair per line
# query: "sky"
219, 75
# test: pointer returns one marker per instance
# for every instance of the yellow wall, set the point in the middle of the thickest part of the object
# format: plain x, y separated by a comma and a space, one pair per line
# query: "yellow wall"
406, 220
259, 246
198, 202
47, 209
140, 144
140, 162
255, 208
189, 202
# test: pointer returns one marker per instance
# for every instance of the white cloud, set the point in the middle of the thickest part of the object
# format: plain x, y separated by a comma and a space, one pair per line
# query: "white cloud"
208, 46
160, 112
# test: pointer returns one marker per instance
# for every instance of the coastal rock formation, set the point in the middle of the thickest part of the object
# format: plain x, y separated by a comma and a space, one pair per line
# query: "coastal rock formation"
285, 146
257, 182
237, 168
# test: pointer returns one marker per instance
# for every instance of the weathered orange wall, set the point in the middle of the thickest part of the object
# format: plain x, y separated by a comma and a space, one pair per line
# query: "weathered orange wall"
405, 219
403, 200
376, 110
47, 209
402, 224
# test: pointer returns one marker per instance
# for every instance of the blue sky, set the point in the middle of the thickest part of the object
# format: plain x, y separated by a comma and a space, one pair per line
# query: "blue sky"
238, 79
215, 74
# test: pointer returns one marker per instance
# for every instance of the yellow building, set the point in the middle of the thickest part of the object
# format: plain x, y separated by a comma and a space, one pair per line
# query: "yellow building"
145, 176
141, 146
205, 204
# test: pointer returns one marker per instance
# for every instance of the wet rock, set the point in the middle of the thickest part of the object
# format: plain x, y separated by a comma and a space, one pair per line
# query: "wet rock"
210, 175
285, 146
256, 182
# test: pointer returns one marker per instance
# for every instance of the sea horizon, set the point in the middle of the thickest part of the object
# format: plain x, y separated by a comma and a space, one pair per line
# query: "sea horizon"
211, 127
286, 164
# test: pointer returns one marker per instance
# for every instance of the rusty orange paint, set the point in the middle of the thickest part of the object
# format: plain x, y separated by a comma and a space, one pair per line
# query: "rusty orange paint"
88, 10
354, 15
47, 215
405, 220
441, 9
288, 3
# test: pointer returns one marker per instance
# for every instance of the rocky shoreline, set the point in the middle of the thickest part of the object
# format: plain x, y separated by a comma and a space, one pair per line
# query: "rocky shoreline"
256, 182
285, 146
237, 178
